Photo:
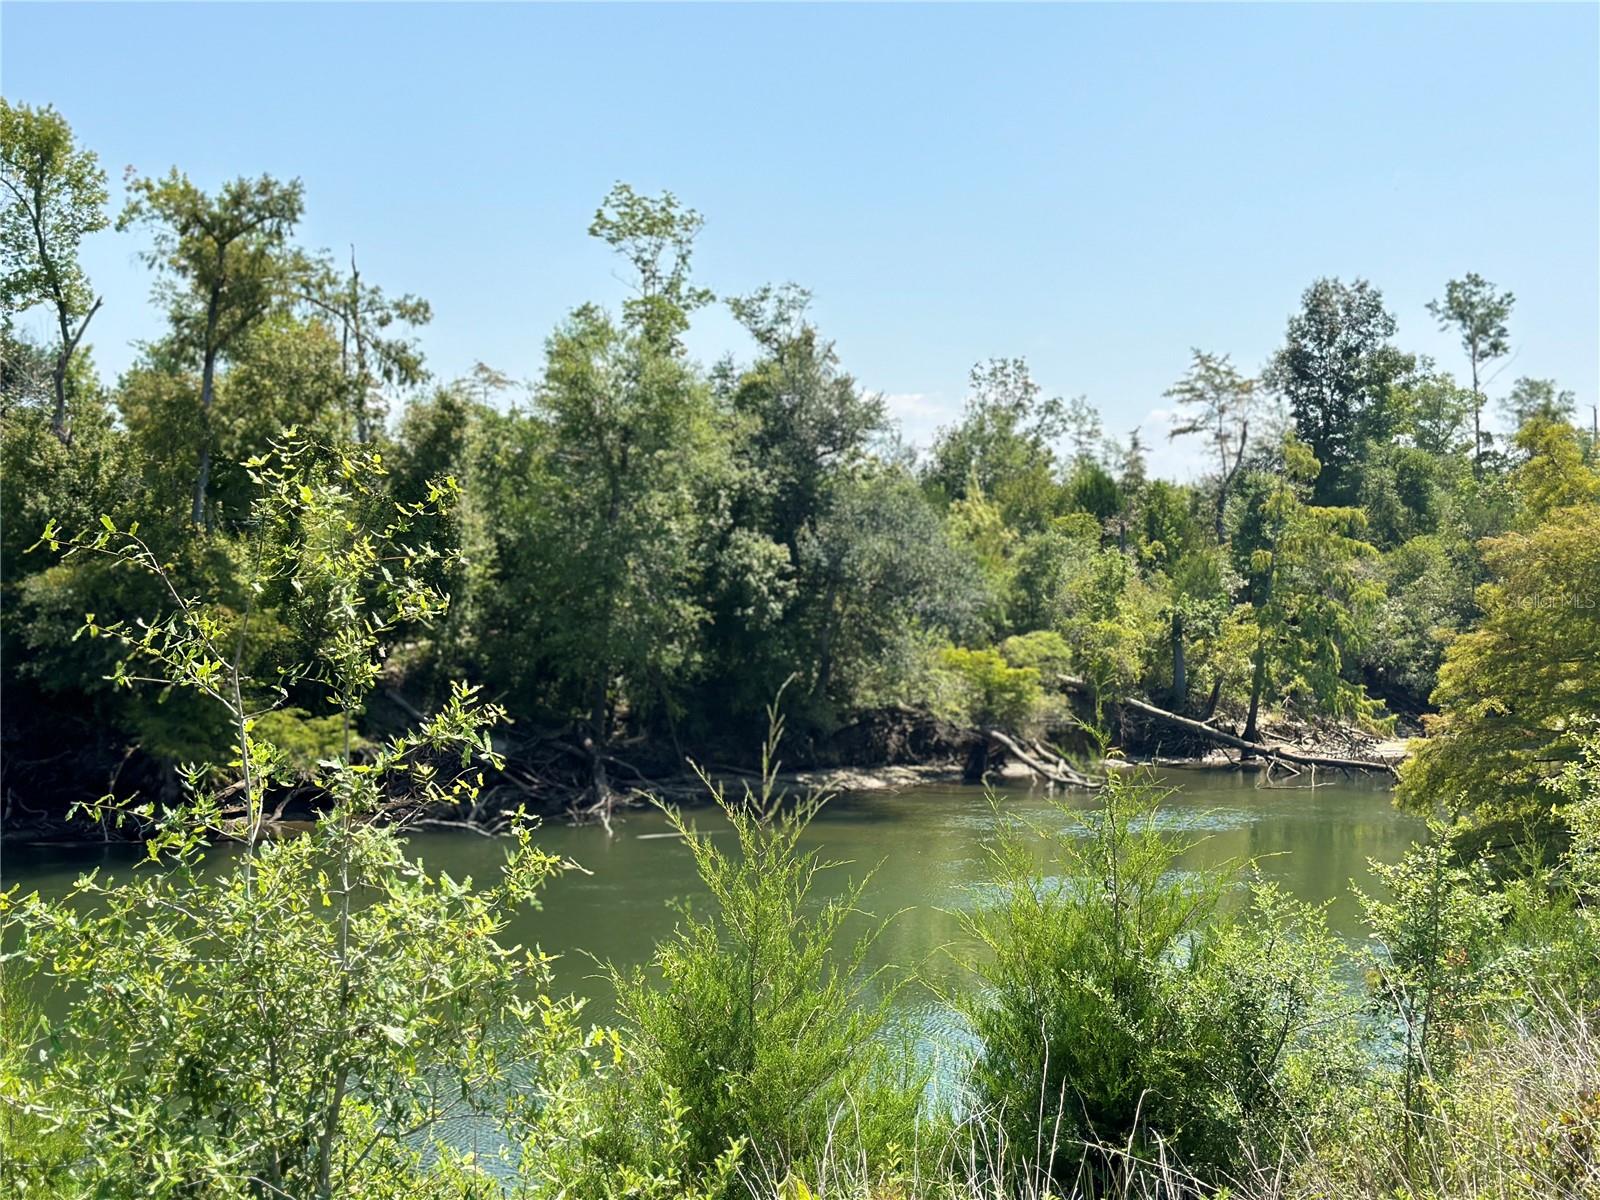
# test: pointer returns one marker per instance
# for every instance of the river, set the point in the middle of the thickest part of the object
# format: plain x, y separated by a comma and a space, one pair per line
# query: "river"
923, 847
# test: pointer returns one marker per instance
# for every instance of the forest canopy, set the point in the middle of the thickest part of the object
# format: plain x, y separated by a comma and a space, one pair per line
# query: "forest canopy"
651, 546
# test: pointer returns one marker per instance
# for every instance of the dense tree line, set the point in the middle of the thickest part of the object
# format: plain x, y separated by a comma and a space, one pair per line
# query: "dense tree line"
322, 1016
652, 546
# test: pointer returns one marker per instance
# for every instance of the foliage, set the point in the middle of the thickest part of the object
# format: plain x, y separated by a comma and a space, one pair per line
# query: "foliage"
1218, 404
1514, 688
1472, 308
884, 569
224, 264
295, 1019
56, 196
757, 1023
1537, 400
626, 445
1428, 597
1335, 371
1303, 566
1118, 1001
1438, 946
1004, 442
992, 691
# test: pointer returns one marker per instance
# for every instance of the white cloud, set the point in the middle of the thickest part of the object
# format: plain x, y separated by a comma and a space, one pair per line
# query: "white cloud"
919, 414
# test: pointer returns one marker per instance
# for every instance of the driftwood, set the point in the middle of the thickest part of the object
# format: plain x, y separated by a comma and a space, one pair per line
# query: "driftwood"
1264, 750
1055, 772
1268, 751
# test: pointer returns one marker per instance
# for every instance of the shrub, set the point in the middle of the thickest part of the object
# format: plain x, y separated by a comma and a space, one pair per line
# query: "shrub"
37, 1144
757, 1032
1044, 650
301, 1021
1121, 1004
1438, 956
991, 692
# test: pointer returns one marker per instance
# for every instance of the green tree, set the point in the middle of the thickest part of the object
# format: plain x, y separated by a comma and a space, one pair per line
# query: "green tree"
655, 234
1514, 689
808, 421
1198, 599
992, 691
376, 348
1478, 313
976, 524
1310, 592
628, 446
1092, 489
1335, 370
1431, 413
1537, 400
886, 571
1217, 403
1005, 441
224, 264
57, 196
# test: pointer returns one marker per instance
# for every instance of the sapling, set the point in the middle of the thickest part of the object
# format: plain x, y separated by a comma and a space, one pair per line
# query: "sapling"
290, 1016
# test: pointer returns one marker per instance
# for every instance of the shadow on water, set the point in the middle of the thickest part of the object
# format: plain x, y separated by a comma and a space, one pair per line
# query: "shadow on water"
924, 847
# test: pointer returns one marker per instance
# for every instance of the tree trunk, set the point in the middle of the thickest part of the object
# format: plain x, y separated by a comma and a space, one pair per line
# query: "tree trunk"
1258, 682
1477, 415
58, 418
1180, 674
600, 780
202, 482
825, 649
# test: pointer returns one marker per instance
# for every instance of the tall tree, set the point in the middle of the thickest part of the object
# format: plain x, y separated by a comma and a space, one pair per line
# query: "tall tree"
1085, 431
1475, 310
656, 235
1538, 400
1309, 591
56, 198
1005, 441
630, 441
807, 419
1335, 370
224, 262
375, 349
1217, 403
885, 571
1516, 690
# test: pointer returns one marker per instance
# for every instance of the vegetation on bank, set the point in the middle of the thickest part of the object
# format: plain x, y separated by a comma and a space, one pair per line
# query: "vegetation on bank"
240, 562
319, 1016
650, 546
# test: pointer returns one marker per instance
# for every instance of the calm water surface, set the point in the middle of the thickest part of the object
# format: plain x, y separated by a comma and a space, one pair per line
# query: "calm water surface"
924, 849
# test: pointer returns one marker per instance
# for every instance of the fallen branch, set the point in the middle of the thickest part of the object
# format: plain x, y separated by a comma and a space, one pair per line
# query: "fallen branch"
1062, 773
1268, 751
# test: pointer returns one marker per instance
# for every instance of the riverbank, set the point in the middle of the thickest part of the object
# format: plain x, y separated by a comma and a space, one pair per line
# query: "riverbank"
890, 749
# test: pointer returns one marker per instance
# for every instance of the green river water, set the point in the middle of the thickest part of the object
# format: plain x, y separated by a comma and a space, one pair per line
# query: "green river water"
923, 846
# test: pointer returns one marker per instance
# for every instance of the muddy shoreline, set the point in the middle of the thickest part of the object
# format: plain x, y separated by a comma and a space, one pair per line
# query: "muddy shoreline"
685, 786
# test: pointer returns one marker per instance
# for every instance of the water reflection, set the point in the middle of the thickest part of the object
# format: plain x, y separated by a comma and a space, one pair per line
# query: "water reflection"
924, 848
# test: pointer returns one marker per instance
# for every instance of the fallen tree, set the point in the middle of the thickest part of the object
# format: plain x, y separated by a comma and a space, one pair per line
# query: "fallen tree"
1043, 763
1268, 752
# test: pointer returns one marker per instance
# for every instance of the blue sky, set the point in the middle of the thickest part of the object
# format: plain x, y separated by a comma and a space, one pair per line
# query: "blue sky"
1096, 188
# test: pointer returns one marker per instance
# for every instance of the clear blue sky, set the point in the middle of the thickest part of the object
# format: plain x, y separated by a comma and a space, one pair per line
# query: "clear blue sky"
1095, 188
